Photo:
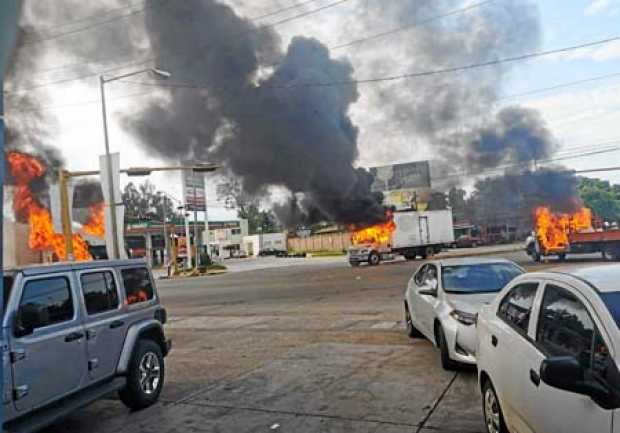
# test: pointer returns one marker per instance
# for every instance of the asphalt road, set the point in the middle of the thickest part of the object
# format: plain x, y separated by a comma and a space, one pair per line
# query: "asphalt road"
305, 347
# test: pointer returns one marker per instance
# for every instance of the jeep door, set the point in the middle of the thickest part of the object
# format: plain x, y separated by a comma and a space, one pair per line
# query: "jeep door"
104, 320
48, 341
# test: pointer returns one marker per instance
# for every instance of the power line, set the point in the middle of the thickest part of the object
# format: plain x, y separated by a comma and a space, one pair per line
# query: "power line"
89, 18
20, 90
558, 86
304, 14
286, 20
278, 12
398, 77
412, 25
90, 26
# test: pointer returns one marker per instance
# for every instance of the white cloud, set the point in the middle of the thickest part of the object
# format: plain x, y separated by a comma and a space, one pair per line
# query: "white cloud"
597, 6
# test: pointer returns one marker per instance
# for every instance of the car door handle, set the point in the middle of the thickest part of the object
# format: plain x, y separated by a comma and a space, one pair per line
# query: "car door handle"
74, 336
534, 377
116, 324
494, 340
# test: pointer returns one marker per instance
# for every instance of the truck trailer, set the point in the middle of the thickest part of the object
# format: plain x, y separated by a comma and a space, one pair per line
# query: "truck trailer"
413, 234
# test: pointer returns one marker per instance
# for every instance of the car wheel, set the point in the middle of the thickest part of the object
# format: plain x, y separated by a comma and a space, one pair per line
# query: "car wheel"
145, 377
493, 417
412, 332
446, 362
374, 259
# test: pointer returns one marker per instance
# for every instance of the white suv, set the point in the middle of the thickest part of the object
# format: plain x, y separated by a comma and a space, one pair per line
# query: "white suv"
548, 349
443, 297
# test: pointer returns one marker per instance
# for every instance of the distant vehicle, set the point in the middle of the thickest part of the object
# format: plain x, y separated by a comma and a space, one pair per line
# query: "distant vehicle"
548, 352
443, 298
415, 234
469, 241
272, 252
77, 332
242, 254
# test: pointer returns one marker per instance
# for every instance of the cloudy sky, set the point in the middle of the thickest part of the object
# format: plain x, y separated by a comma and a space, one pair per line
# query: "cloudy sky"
583, 117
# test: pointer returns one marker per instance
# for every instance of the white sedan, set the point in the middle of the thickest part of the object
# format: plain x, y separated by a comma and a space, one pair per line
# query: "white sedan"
548, 352
443, 298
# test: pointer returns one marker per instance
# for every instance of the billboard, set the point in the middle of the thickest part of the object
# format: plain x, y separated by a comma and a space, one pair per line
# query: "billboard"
194, 194
405, 185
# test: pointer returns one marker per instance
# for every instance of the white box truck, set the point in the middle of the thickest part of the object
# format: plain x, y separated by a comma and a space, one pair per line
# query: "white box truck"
416, 233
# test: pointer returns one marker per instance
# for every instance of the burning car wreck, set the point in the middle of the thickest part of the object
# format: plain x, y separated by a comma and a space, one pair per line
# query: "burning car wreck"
579, 232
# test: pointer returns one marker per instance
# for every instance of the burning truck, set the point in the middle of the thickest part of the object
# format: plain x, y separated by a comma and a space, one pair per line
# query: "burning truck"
558, 234
407, 233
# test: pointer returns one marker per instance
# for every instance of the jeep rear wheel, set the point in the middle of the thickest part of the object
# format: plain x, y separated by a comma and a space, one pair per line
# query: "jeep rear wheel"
145, 377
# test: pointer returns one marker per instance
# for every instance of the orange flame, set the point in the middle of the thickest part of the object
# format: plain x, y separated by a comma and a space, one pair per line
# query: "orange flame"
24, 169
377, 234
96, 220
553, 229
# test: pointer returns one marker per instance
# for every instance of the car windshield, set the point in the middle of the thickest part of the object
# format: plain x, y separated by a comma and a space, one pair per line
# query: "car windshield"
479, 278
612, 301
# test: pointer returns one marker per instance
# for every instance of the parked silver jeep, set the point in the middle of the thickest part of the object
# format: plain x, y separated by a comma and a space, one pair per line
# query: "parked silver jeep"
76, 332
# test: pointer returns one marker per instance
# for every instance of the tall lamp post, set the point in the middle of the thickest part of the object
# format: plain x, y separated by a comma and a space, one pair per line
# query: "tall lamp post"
102, 81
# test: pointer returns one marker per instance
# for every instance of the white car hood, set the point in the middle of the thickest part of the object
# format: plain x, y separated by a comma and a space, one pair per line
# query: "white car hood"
470, 303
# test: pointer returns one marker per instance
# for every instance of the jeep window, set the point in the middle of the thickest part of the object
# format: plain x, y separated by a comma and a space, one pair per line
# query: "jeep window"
516, 307
137, 284
45, 302
99, 290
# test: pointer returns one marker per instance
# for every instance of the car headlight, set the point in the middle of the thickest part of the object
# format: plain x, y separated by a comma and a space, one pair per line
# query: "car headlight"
363, 251
466, 319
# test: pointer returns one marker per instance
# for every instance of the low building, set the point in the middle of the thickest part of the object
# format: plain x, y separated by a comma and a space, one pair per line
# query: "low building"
254, 244
146, 239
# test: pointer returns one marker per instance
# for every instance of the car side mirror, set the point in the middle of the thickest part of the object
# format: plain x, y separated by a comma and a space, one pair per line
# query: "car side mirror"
562, 372
565, 372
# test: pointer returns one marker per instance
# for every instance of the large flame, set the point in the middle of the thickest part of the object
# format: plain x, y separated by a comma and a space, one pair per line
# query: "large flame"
377, 234
24, 169
553, 229
95, 225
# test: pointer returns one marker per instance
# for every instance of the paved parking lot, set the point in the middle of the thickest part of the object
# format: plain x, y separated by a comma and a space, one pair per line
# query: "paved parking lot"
314, 347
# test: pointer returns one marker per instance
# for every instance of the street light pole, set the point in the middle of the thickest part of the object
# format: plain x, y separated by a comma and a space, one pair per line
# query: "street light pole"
112, 204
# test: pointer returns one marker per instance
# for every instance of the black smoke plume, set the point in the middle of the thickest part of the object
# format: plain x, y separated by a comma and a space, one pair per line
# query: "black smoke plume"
267, 131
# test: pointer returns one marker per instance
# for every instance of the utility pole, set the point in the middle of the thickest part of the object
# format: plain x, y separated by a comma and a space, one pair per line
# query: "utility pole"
166, 240
196, 255
65, 214
112, 195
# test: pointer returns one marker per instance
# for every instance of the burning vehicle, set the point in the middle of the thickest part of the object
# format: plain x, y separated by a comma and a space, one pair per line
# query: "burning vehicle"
407, 233
579, 232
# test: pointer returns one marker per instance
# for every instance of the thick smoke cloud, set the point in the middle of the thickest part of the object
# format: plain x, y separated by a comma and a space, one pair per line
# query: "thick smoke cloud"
516, 136
269, 128
267, 131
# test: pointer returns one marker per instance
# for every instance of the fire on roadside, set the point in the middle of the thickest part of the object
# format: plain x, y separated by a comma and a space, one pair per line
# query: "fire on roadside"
380, 233
25, 169
553, 229
95, 225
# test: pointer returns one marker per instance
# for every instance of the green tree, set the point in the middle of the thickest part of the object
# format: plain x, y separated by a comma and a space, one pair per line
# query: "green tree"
144, 202
602, 197
248, 207
458, 203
